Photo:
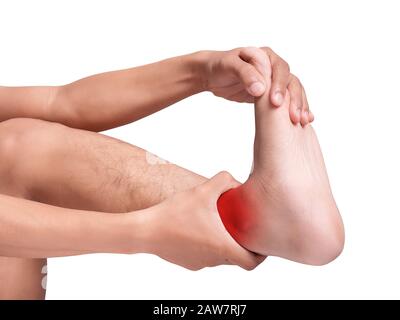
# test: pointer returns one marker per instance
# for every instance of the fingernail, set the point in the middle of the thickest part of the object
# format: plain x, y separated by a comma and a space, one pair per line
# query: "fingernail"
278, 97
257, 88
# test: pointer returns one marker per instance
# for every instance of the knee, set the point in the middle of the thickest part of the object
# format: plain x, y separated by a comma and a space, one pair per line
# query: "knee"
22, 137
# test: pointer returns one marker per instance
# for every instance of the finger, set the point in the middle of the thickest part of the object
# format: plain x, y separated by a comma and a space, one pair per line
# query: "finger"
280, 77
242, 96
246, 259
220, 183
305, 111
307, 106
311, 116
296, 99
222, 261
239, 94
252, 80
260, 259
257, 58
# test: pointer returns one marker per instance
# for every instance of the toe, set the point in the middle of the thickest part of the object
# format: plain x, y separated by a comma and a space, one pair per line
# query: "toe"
304, 118
310, 116
295, 113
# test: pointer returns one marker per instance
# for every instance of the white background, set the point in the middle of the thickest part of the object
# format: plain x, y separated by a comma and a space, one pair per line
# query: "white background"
345, 52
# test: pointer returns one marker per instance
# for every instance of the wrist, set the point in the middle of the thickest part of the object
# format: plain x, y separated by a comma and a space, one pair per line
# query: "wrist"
124, 233
151, 224
200, 68
135, 232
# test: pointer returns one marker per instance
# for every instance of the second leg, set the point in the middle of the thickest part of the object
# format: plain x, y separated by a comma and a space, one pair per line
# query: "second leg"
57, 165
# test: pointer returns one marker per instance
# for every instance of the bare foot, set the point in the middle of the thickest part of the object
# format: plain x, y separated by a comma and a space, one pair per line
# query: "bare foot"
286, 207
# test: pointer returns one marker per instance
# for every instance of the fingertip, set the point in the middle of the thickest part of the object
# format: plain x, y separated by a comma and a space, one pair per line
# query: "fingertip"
235, 183
224, 181
298, 115
310, 116
257, 260
294, 117
253, 264
224, 176
277, 97
304, 118
256, 89
294, 114
261, 259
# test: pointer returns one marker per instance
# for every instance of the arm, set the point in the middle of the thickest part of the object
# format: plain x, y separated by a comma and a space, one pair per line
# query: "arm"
185, 230
34, 230
107, 100
116, 98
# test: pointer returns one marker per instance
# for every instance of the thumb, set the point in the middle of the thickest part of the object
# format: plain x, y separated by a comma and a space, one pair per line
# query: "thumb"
220, 183
248, 75
251, 78
257, 58
256, 61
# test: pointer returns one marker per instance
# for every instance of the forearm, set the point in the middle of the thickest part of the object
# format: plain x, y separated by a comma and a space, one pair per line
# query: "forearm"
26, 102
35, 230
110, 99
116, 98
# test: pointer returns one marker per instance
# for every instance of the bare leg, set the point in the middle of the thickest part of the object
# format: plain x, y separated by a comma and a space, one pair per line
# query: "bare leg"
286, 208
72, 168
22, 278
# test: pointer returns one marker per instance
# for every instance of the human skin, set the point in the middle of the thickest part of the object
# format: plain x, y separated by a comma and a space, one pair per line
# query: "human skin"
116, 98
108, 100
286, 207
50, 231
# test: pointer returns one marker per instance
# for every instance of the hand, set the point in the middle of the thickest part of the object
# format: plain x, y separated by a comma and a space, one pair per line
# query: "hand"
239, 75
187, 230
283, 81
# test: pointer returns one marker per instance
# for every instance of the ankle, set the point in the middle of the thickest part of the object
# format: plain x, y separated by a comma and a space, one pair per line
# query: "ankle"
238, 213
261, 228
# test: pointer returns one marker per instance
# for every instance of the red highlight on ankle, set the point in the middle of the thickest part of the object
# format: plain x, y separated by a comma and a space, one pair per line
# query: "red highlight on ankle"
234, 212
